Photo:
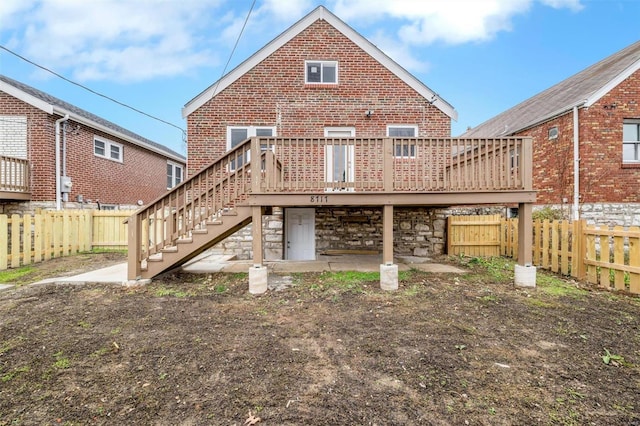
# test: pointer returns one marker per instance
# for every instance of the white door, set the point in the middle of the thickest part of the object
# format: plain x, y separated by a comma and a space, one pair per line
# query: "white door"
339, 157
300, 234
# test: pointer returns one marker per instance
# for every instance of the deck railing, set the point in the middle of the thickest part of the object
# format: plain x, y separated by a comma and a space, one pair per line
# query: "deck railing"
14, 174
399, 164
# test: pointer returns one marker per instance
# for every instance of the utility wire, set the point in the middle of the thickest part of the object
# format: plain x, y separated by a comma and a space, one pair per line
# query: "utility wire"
224, 70
91, 90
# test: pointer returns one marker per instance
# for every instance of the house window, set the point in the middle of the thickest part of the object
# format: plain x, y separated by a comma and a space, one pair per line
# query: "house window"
174, 174
237, 135
631, 141
553, 132
322, 72
403, 149
107, 149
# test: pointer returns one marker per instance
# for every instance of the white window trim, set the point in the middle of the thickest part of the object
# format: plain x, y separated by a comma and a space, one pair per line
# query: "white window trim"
107, 149
350, 130
413, 148
251, 131
403, 126
322, 63
636, 143
553, 133
175, 166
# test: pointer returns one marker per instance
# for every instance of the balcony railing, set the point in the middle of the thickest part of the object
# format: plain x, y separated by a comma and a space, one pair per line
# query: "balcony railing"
393, 164
14, 175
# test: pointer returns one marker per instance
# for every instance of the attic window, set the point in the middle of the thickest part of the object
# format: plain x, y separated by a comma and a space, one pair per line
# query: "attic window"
321, 72
553, 132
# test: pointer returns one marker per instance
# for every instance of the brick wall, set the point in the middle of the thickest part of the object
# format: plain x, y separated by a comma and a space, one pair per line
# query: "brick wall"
274, 94
142, 175
603, 177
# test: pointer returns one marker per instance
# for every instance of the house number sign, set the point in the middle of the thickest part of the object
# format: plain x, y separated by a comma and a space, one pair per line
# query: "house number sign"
319, 199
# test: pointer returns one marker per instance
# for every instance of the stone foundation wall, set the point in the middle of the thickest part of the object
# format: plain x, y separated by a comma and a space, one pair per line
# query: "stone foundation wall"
240, 244
417, 231
602, 214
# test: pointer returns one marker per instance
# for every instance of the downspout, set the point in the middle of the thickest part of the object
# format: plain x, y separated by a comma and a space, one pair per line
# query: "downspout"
58, 189
576, 165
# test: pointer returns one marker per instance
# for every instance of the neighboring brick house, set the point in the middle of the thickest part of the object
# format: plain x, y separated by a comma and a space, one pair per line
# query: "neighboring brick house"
320, 78
100, 163
591, 119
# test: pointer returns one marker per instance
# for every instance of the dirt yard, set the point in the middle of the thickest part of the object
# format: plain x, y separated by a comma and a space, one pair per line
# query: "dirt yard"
329, 349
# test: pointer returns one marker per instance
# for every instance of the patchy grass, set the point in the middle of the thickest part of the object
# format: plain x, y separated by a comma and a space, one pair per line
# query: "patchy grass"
11, 275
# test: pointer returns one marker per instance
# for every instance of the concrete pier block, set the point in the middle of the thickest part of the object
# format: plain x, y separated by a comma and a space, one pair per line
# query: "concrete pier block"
525, 276
258, 279
388, 277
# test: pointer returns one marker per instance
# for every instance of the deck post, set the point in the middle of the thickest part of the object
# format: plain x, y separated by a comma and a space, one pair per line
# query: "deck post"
525, 272
388, 271
258, 276
133, 247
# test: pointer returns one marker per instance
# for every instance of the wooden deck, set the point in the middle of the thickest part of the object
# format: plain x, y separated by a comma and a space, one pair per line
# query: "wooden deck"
386, 172
14, 179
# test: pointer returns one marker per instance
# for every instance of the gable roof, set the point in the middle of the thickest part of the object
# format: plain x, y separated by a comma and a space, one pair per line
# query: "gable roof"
51, 104
319, 13
582, 90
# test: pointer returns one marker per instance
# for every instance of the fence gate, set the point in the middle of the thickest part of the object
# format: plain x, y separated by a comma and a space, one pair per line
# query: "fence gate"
474, 235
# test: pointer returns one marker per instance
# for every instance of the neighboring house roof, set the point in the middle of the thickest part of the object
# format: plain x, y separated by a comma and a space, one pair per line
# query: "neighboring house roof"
51, 105
319, 13
582, 89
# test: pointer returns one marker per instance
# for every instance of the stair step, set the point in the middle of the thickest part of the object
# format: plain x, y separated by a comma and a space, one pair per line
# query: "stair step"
200, 231
229, 213
184, 241
172, 249
214, 222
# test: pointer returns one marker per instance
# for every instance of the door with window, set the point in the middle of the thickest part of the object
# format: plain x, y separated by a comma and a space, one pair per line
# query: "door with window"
300, 233
339, 158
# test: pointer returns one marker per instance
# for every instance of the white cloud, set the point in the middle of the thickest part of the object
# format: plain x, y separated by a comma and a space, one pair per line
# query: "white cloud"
452, 21
287, 10
116, 40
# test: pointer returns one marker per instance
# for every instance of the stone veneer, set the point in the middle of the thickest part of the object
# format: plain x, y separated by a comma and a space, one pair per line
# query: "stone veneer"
418, 231
603, 214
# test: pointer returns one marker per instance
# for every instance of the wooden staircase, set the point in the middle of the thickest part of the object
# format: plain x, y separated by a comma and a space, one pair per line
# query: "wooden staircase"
201, 239
192, 217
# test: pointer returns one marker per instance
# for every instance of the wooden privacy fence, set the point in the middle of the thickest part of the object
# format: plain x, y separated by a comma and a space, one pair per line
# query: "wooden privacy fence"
27, 239
605, 256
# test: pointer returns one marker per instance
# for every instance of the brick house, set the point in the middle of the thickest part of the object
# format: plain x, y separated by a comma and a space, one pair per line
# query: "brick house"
323, 145
320, 78
591, 119
100, 164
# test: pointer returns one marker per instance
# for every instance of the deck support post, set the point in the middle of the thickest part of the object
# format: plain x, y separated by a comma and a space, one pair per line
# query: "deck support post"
258, 276
134, 248
388, 271
525, 272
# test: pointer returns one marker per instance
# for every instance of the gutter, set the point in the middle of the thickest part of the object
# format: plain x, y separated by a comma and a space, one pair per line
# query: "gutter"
58, 189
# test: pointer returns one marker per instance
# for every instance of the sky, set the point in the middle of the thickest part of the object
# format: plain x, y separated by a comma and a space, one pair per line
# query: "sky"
154, 56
